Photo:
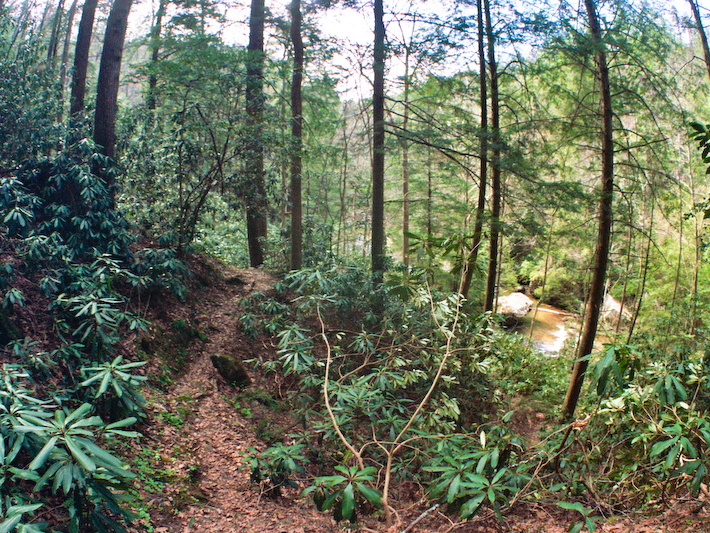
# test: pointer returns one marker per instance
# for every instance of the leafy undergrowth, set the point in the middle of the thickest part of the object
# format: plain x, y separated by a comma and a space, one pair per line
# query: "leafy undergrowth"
366, 407
73, 279
217, 458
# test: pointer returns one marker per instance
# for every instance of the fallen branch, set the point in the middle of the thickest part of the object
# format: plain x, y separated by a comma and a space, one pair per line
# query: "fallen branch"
421, 517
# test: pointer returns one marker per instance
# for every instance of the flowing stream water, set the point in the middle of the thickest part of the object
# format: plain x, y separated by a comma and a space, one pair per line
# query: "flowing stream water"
550, 329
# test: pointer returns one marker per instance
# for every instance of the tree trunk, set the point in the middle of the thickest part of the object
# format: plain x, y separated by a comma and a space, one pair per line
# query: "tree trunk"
65, 57
378, 146
544, 274
627, 270
701, 31
343, 182
25, 11
296, 137
491, 283
45, 16
694, 321
81, 58
109, 77
601, 254
53, 44
405, 163
151, 100
483, 149
256, 201
644, 276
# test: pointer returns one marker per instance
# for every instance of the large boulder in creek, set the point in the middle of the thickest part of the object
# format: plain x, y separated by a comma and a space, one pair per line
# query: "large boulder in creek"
231, 369
513, 308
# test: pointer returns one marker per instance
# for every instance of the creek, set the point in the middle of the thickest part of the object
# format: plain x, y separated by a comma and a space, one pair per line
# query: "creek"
550, 329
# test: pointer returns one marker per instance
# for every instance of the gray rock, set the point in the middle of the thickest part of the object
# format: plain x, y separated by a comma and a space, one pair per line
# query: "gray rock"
513, 308
232, 370
515, 304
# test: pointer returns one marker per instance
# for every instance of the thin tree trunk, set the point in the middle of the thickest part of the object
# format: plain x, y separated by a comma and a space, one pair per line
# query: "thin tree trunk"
45, 16
296, 137
483, 149
21, 21
429, 198
405, 163
681, 230
109, 78
81, 58
285, 158
491, 283
544, 274
65, 57
627, 270
601, 254
155, 30
706, 57
53, 44
693, 321
429, 205
378, 146
343, 192
701, 31
256, 202
644, 275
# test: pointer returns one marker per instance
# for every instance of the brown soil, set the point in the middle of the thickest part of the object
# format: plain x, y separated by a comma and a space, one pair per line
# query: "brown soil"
192, 460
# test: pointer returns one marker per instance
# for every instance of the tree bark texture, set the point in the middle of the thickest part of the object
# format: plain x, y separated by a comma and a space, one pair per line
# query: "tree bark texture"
483, 152
109, 77
701, 31
378, 145
595, 298
296, 138
81, 58
256, 201
491, 282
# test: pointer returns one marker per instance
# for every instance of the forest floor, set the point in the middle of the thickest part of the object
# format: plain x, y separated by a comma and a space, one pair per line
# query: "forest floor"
192, 460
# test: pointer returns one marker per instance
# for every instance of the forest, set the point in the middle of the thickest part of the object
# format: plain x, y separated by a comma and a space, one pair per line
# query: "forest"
383, 266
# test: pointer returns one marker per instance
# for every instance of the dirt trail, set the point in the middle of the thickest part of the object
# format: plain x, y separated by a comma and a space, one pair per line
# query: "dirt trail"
216, 438
197, 443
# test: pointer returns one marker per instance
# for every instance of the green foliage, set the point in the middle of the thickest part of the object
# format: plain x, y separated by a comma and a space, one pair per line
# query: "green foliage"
28, 104
470, 474
616, 368
13, 516
701, 134
276, 466
179, 153
57, 449
345, 492
383, 371
115, 387
295, 347
587, 520
64, 243
651, 425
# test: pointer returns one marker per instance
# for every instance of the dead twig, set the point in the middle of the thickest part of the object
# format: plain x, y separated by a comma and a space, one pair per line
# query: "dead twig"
421, 517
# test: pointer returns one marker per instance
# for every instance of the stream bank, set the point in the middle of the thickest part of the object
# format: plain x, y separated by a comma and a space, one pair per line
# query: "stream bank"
546, 327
